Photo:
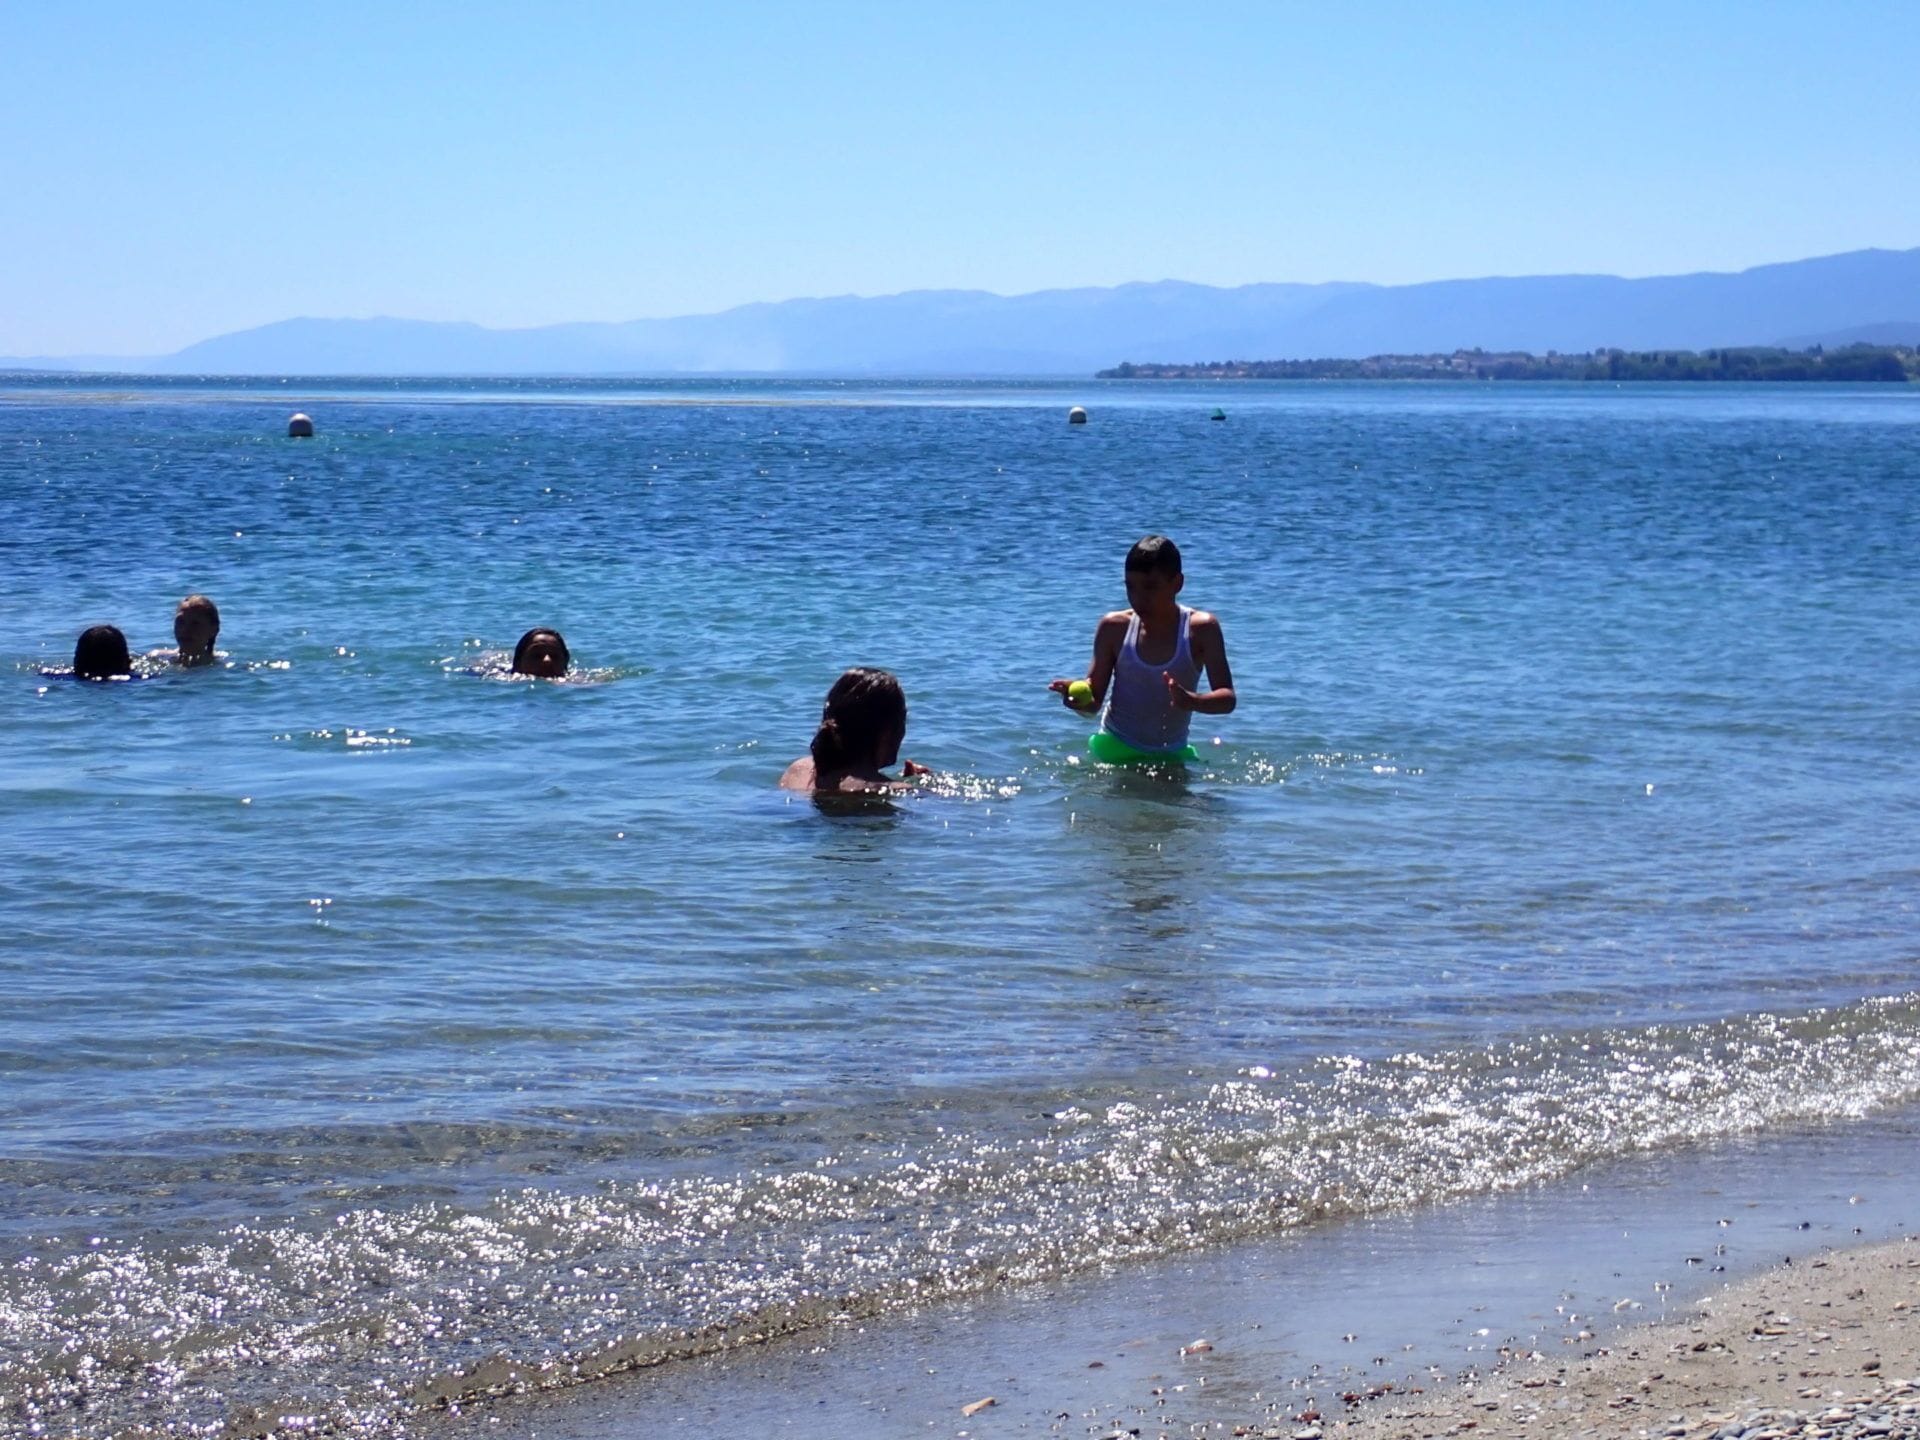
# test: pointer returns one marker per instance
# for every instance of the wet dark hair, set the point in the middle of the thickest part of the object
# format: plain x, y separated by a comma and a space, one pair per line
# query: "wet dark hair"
1155, 554
861, 707
101, 654
526, 643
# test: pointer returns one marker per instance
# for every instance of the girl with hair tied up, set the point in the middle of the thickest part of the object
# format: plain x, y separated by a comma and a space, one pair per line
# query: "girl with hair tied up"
861, 727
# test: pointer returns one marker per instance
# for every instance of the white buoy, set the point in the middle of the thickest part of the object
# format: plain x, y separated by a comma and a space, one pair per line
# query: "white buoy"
300, 427
1076, 416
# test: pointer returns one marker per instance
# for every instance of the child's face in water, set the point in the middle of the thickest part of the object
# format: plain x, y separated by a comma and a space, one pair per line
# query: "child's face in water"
544, 659
194, 632
1152, 593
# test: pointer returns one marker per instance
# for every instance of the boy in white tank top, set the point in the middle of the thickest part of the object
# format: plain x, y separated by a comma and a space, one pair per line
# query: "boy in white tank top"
1153, 655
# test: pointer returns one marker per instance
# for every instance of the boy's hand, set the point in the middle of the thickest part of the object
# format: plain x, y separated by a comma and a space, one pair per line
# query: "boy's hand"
911, 768
1181, 697
1064, 689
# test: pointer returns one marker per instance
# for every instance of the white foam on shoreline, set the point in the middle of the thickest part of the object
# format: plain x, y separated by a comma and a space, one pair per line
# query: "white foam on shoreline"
376, 1313
1437, 1295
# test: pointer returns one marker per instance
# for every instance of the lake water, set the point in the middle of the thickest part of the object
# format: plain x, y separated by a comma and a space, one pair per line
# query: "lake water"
380, 1031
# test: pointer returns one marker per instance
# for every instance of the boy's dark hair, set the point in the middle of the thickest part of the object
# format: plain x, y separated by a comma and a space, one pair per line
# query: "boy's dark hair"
1155, 554
101, 654
862, 706
526, 642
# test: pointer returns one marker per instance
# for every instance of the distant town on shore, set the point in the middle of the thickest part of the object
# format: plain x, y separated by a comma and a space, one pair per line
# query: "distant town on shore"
1891, 363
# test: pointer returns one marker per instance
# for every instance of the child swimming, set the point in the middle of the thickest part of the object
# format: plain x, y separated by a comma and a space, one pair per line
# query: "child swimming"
861, 727
101, 654
541, 654
1153, 654
196, 625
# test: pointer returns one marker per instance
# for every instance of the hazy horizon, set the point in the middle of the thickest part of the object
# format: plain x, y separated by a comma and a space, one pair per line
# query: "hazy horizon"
929, 293
1078, 331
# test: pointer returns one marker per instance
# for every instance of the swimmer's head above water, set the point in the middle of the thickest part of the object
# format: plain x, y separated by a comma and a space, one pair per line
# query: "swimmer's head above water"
196, 625
1154, 577
861, 728
101, 654
542, 654
863, 721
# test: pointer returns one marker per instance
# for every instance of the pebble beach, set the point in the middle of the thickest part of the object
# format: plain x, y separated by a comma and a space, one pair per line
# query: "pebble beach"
1826, 1348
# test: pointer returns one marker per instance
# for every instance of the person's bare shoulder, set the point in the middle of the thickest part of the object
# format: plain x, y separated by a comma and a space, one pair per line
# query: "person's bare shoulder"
1204, 629
1114, 622
799, 775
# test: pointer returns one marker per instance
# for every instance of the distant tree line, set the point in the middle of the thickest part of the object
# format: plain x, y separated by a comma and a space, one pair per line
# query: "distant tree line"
1851, 363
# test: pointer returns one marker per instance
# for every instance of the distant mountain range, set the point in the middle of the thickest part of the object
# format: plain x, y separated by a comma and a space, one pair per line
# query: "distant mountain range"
1833, 299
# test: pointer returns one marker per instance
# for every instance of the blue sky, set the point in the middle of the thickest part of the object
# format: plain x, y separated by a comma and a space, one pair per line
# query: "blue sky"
173, 172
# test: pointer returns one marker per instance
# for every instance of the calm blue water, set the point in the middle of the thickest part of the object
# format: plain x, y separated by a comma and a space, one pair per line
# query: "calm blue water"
377, 1031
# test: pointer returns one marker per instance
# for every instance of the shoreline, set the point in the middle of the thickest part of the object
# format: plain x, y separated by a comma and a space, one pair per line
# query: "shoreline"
1244, 1340
1828, 1346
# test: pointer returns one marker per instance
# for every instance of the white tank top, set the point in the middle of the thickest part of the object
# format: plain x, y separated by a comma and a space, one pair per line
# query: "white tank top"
1139, 710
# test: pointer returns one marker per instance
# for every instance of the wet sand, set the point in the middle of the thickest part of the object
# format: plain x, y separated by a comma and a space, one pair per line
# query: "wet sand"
1826, 1346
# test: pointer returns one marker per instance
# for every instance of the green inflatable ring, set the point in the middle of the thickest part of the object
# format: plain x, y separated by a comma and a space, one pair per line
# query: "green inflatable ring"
1110, 749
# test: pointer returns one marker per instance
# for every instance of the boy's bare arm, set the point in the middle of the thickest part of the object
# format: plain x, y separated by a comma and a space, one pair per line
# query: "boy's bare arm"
1107, 637
1210, 650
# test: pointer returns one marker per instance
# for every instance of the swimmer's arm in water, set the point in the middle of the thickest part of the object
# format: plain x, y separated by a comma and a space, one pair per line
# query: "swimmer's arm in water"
800, 776
1108, 636
879, 782
1210, 651
188, 659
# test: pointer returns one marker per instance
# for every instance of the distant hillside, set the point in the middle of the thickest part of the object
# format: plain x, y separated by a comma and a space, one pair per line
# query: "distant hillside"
1074, 332
1893, 332
1887, 364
